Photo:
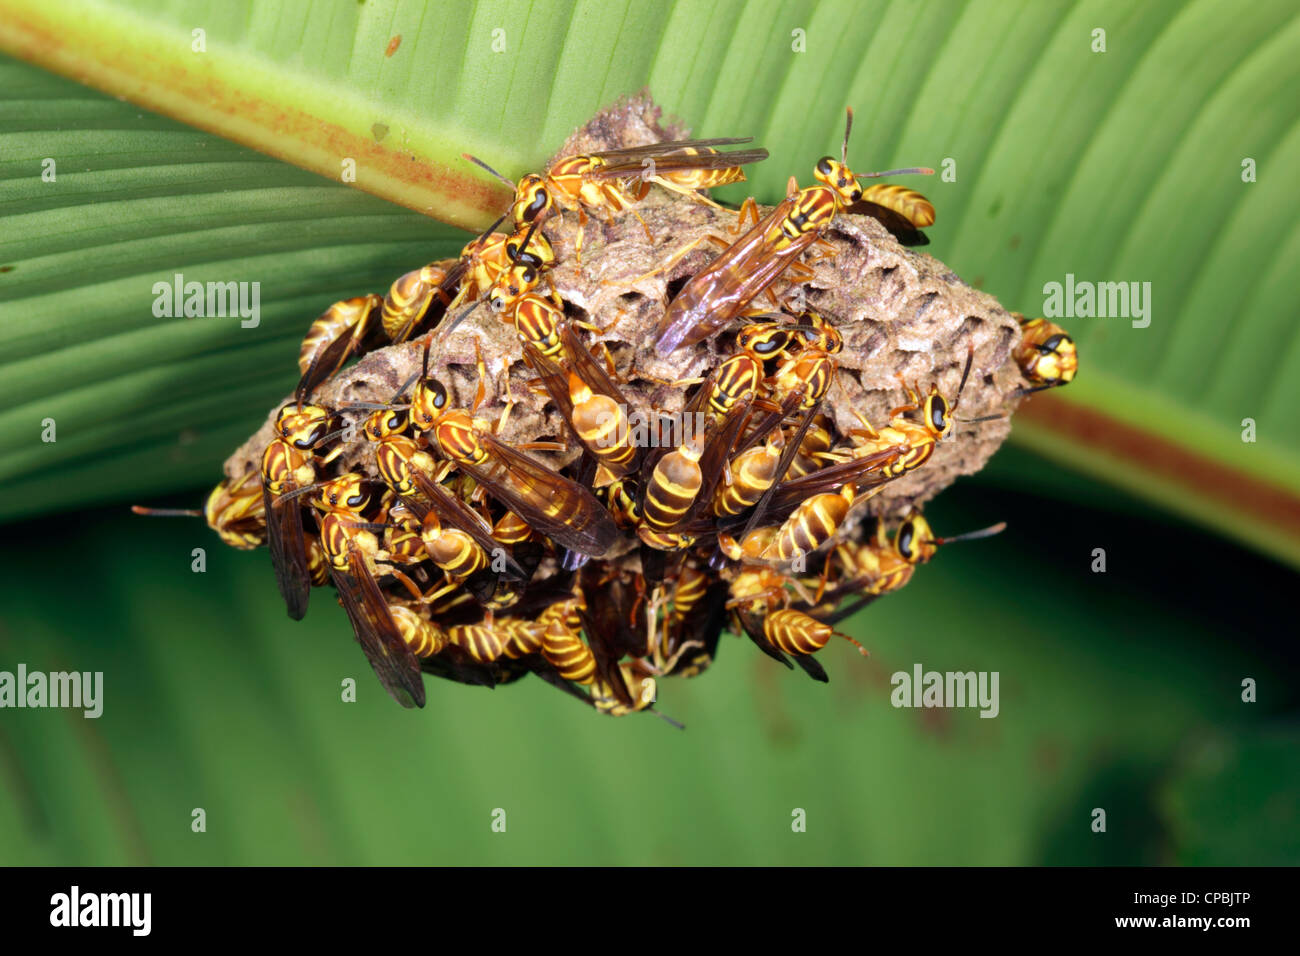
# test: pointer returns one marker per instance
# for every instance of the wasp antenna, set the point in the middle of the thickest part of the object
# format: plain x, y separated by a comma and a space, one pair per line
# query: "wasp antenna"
908, 171
984, 418
411, 380
861, 650
848, 128
988, 532
330, 436
523, 246
1022, 392
371, 406
965, 374
296, 493
484, 166
492, 228
167, 512
372, 526
447, 328
662, 716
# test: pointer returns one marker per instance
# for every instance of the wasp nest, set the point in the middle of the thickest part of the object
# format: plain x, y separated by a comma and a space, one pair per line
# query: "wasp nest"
911, 329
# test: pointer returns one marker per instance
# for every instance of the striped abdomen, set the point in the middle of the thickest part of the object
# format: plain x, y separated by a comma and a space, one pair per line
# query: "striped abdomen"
673, 486
752, 473
795, 632
409, 299
566, 652
424, 638
484, 644
811, 525
908, 203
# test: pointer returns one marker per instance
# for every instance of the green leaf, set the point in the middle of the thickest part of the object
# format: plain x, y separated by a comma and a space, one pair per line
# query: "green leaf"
1123, 165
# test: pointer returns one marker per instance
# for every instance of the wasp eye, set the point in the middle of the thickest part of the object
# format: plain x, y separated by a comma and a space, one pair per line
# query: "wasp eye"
826, 166
905, 535
939, 414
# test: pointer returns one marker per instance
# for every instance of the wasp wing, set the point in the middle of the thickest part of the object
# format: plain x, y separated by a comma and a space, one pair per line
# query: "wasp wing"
396, 667
559, 508
284, 536
669, 146
588, 368
633, 167
833, 477
811, 667
714, 296
899, 225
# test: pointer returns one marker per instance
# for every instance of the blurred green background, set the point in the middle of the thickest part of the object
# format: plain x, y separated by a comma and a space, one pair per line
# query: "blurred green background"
1119, 690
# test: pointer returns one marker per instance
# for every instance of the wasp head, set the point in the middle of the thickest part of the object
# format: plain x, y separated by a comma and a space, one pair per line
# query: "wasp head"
937, 420
303, 426
428, 404
344, 493
384, 422
914, 541
532, 201
835, 174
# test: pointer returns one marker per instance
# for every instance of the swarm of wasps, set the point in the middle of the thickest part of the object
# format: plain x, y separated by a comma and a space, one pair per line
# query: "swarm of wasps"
468, 558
